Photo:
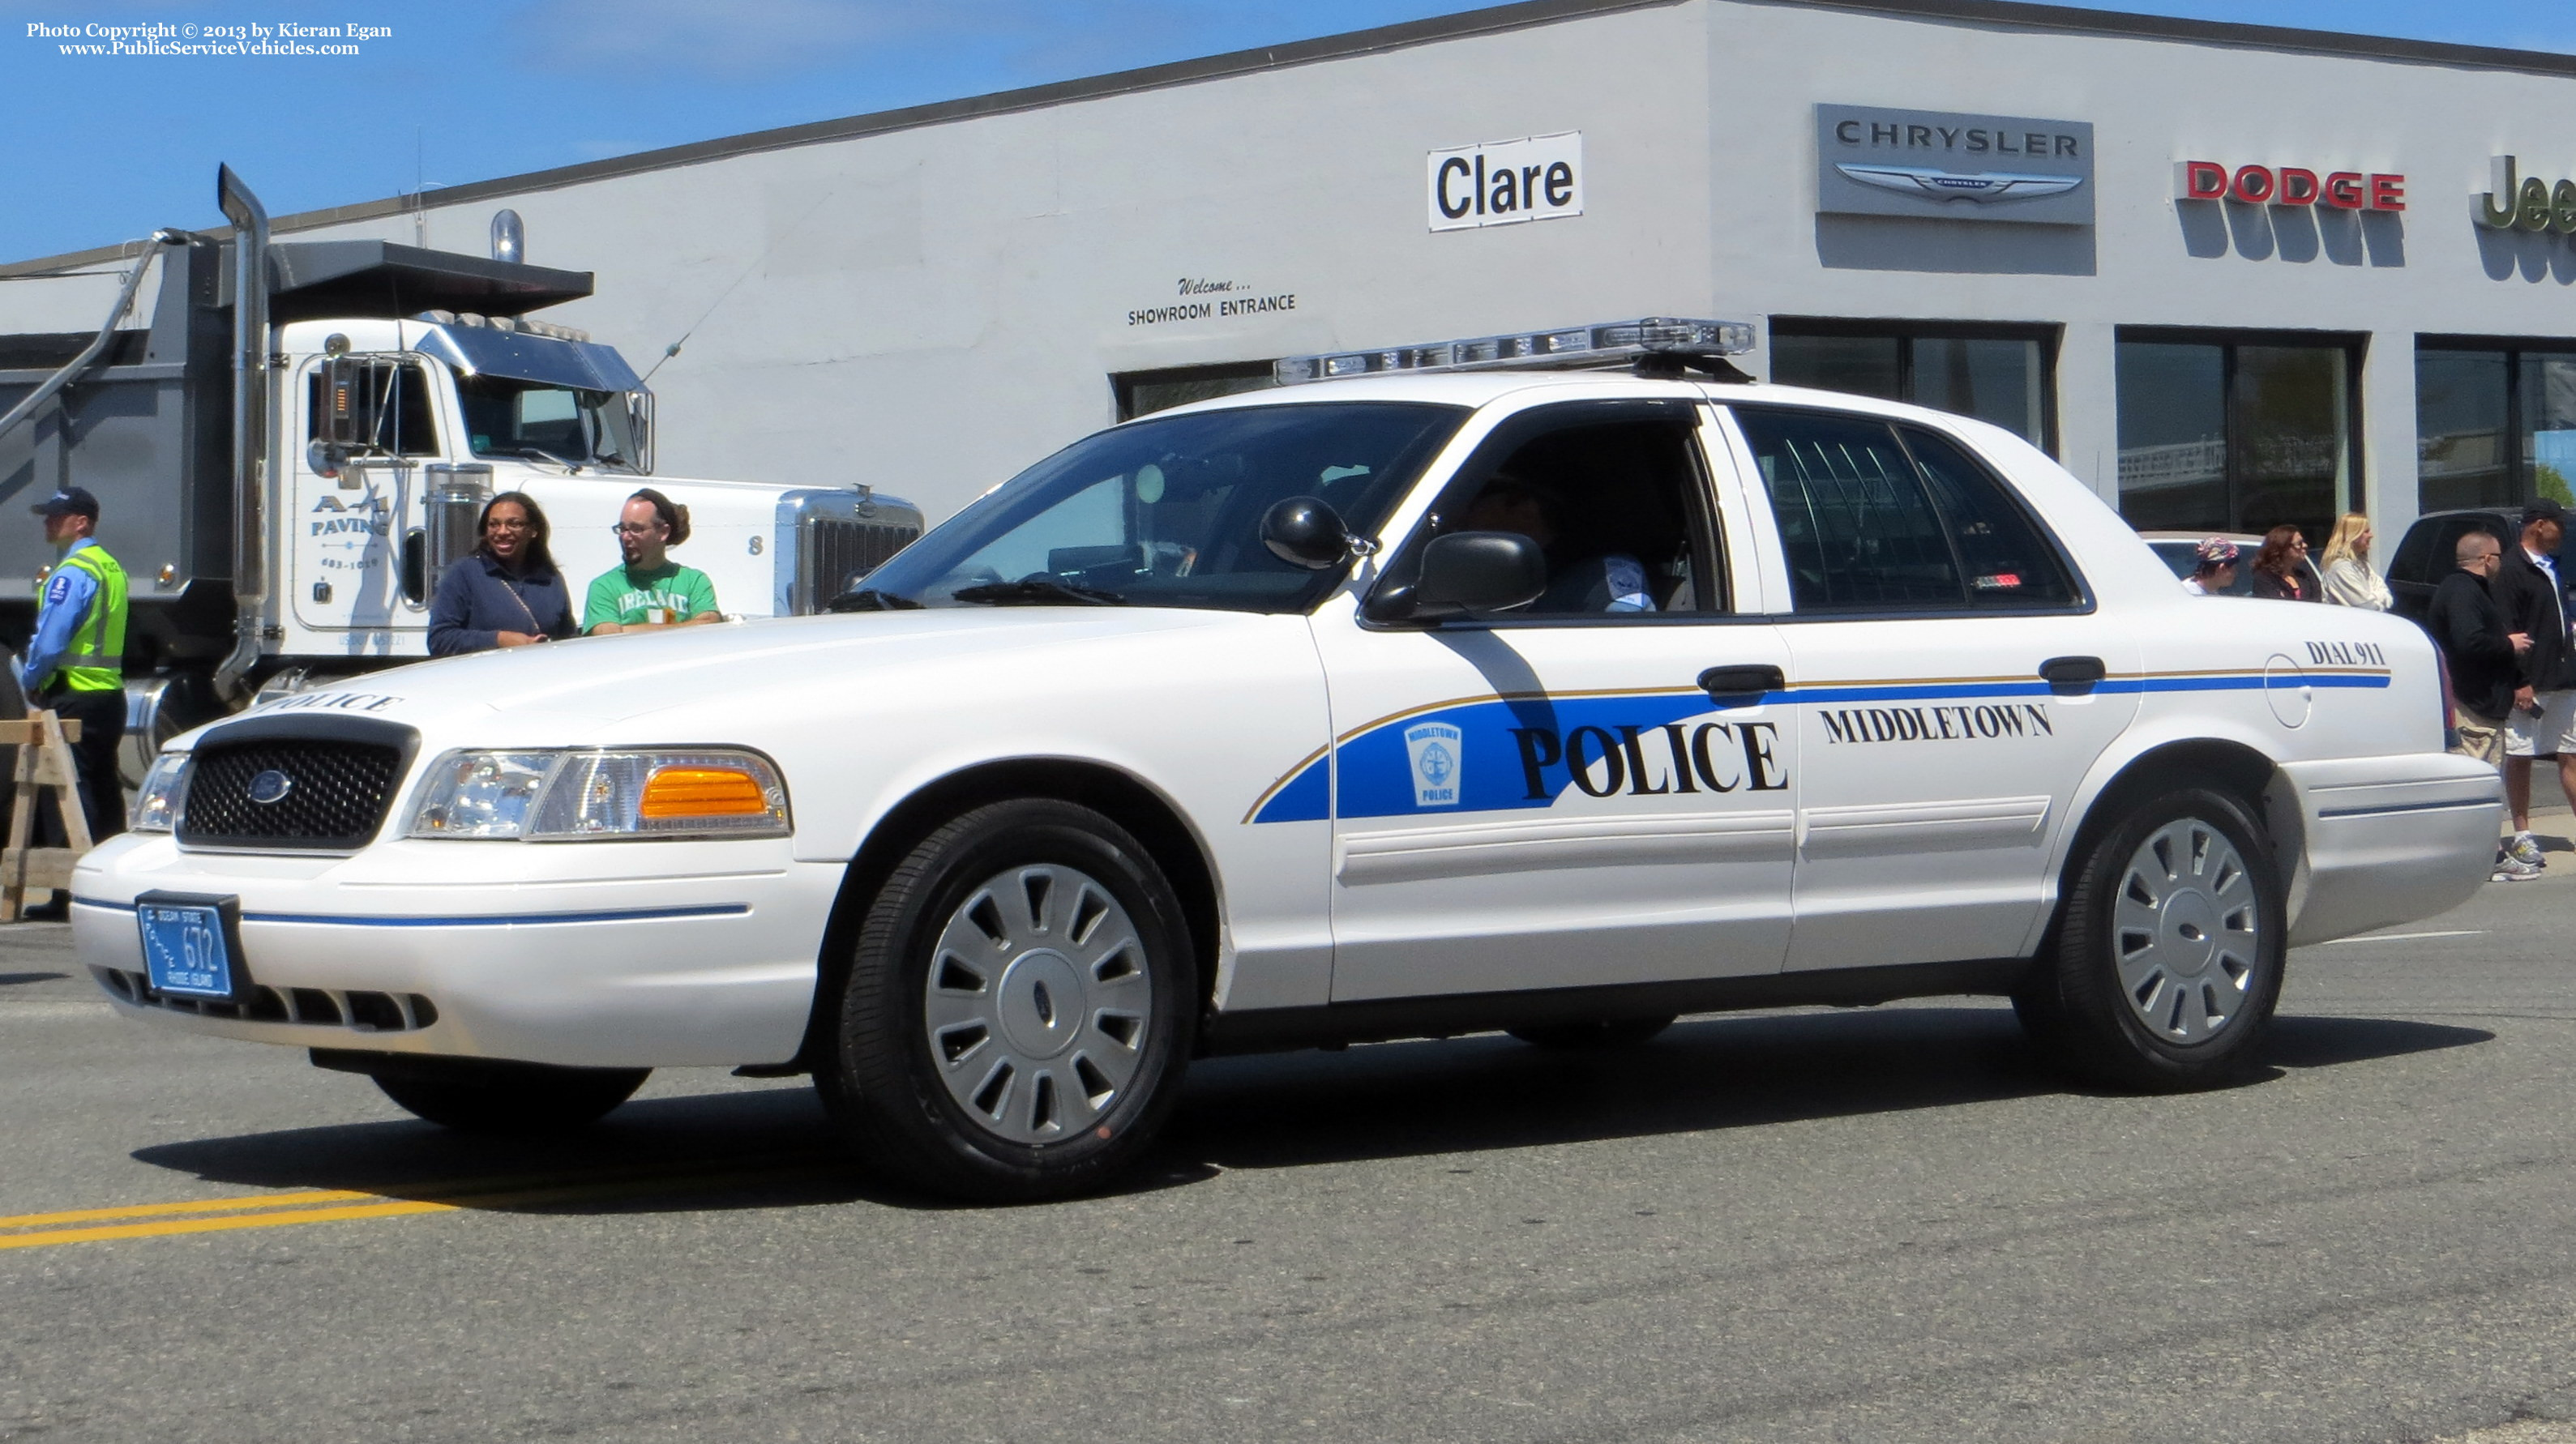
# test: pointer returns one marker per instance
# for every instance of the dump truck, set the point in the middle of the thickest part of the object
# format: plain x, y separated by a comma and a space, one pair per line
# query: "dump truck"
290, 441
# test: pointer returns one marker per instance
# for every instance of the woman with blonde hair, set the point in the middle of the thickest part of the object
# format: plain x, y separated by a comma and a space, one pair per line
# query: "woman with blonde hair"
2346, 574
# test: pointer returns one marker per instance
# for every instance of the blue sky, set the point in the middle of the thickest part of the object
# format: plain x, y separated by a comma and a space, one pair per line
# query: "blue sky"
102, 149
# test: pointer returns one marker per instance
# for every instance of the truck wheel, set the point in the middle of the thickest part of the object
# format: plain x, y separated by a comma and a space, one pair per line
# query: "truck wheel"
1592, 1036
1019, 1008
472, 1095
2168, 958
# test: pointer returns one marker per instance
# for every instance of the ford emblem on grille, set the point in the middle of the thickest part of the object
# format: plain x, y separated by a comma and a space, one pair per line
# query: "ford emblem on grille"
271, 786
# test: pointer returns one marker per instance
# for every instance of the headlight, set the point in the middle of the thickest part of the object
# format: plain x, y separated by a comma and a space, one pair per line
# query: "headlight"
583, 796
164, 790
482, 794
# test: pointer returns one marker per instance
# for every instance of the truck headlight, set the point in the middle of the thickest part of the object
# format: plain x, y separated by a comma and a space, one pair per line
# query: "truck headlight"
164, 791
598, 795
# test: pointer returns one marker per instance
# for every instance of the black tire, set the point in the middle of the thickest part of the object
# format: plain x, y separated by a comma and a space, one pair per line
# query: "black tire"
507, 1099
973, 1084
2123, 995
1593, 1036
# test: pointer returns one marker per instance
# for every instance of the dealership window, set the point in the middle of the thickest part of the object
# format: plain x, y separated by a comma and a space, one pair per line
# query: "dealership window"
2495, 422
1142, 393
2236, 433
1994, 373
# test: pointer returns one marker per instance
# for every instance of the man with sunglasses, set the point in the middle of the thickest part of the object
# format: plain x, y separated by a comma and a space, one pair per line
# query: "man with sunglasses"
650, 590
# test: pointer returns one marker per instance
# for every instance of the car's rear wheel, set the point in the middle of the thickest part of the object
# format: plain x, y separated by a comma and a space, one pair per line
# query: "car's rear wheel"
474, 1095
1019, 1008
2168, 957
1598, 1033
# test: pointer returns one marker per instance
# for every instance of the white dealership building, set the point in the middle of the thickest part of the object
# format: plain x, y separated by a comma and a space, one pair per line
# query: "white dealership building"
2230, 275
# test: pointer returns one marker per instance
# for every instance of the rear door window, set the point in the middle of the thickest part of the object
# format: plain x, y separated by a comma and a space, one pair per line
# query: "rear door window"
1877, 518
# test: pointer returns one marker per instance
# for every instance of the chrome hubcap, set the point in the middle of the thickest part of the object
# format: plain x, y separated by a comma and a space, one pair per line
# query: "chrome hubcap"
2187, 932
1038, 1003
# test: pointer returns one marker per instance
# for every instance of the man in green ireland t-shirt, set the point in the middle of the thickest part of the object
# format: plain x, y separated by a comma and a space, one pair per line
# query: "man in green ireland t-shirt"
650, 590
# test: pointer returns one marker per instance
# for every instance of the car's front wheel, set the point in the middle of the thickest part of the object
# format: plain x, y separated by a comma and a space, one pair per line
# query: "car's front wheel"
1019, 1008
2168, 956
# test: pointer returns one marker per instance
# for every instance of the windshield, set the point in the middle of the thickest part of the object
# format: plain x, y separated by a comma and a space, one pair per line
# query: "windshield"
1167, 512
509, 417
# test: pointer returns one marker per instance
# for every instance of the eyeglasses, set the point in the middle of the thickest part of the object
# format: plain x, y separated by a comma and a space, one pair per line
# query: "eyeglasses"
509, 524
629, 528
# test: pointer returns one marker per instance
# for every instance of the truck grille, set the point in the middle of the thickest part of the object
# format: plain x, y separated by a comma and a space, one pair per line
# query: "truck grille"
835, 548
335, 799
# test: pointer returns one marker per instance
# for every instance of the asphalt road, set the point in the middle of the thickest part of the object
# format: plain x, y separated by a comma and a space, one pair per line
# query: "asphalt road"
1813, 1225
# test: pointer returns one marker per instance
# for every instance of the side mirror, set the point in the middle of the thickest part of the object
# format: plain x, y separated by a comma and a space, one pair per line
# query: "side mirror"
1305, 531
639, 425
1468, 573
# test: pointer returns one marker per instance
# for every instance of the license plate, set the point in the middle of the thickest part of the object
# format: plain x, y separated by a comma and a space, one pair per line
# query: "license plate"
187, 948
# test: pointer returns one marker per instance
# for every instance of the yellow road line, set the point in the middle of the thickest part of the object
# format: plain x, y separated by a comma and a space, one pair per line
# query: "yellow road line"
278, 1210
161, 1227
203, 1205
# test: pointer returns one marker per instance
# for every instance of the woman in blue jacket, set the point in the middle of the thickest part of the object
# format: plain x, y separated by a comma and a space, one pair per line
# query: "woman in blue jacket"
507, 593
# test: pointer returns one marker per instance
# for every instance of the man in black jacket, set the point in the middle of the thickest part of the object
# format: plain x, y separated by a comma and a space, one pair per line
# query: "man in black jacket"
2533, 597
2479, 653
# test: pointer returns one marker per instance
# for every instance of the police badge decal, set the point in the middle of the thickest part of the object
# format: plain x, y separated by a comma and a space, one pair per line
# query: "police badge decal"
1434, 748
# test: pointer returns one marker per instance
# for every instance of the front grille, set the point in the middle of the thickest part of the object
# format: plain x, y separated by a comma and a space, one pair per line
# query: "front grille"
336, 799
835, 549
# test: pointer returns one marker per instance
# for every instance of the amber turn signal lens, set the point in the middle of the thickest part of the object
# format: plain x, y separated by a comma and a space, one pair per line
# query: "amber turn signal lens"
682, 792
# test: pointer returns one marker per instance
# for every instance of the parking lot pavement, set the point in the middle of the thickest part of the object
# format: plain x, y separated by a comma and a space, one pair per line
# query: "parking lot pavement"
1810, 1225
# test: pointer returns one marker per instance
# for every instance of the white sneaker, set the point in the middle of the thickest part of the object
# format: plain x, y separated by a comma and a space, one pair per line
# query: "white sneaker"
2526, 848
2510, 868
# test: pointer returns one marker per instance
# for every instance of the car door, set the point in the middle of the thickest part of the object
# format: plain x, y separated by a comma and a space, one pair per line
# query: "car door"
344, 531
1954, 684
1548, 798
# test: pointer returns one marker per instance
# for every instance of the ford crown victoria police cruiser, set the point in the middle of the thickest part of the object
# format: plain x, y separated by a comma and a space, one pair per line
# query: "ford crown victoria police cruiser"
1399, 705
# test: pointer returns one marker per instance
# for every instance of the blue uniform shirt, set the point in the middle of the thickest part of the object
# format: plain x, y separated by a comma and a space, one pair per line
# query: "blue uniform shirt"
68, 593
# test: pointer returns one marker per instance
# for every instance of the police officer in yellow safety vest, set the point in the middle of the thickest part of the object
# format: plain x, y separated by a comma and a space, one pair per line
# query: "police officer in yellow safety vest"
76, 663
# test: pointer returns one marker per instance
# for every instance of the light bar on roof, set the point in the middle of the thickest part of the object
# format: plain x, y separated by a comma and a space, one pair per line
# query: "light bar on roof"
1601, 345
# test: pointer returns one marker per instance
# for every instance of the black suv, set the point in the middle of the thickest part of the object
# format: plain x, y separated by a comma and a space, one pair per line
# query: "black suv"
2425, 556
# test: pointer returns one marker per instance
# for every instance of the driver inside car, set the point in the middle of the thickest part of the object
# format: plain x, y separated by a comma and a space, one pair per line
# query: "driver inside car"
1612, 581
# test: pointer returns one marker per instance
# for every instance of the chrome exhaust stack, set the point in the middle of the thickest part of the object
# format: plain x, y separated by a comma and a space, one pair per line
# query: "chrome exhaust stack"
250, 416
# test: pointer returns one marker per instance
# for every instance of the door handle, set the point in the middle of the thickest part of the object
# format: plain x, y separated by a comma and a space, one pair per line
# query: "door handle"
2073, 673
1723, 682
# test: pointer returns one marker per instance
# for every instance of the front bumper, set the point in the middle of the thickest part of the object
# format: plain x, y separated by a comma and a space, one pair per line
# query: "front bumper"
2387, 839
644, 954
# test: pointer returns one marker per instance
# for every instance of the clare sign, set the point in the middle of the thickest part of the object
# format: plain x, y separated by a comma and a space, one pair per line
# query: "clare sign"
1950, 166
1505, 182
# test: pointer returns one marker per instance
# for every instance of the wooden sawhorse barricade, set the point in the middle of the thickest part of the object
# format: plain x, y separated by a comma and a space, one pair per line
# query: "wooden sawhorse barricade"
44, 766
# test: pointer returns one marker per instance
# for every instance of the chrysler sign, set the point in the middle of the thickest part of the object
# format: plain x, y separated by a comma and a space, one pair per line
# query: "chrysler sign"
1956, 167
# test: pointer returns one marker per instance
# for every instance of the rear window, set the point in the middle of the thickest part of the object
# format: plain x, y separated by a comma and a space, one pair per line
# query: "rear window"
1875, 517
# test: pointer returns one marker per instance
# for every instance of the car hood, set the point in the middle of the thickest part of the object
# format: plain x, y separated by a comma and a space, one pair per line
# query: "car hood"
593, 688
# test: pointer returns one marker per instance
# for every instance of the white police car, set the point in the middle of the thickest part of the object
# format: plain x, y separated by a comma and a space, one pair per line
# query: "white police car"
1407, 704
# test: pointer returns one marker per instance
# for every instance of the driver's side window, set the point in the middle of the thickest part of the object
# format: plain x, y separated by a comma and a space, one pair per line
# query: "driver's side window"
1617, 509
